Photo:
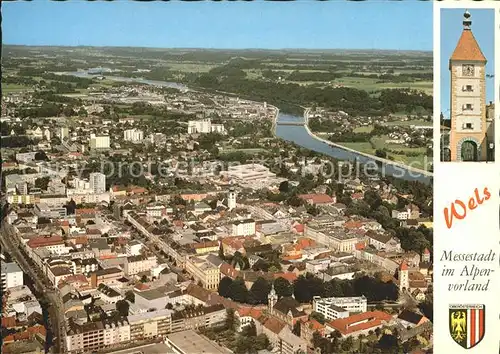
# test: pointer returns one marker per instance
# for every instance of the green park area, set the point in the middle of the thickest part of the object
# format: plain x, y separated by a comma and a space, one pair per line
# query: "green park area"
415, 157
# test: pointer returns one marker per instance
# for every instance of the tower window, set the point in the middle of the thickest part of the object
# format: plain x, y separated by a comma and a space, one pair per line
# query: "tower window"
468, 107
467, 126
468, 88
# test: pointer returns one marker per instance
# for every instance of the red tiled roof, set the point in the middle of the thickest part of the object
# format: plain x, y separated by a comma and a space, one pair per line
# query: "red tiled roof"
205, 244
137, 190
404, 265
291, 257
467, 48
141, 286
8, 322
85, 211
77, 278
324, 255
42, 241
299, 228
304, 242
274, 325
28, 333
318, 198
314, 325
353, 224
229, 271
290, 276
360, 246
250, 311
64, 222
360, 322
178, 223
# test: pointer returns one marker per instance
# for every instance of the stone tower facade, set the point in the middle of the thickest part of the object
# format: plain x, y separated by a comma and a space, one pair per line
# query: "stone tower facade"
403, 276
468, 134
272, 298
231, 199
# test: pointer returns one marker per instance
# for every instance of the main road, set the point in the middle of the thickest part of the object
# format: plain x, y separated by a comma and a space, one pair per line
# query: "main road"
10, 243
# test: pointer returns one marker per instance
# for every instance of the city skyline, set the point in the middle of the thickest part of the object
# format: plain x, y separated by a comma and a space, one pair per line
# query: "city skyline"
265, 25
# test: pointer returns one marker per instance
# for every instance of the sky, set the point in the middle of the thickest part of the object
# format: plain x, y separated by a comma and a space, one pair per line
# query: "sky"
483, 27
258, 24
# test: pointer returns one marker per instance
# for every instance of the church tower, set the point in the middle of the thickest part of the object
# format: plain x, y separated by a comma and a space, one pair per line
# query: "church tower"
468, 134
404, 280
231, 199
272, 298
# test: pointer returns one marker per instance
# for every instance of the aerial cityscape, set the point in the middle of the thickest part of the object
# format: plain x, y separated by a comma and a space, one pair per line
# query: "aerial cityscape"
160, 197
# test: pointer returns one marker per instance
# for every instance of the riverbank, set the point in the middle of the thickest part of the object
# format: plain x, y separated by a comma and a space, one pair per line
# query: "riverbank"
372, 157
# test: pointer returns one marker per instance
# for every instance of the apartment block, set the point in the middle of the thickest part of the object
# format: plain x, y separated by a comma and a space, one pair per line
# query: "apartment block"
339, 307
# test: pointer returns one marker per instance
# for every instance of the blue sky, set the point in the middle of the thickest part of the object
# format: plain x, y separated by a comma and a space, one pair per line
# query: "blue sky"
301, 24
483, 27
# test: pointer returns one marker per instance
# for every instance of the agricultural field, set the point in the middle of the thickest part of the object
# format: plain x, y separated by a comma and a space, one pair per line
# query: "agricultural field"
415, 157
12, 88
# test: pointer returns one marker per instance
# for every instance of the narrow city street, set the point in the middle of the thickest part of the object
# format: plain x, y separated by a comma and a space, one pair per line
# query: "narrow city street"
41, 285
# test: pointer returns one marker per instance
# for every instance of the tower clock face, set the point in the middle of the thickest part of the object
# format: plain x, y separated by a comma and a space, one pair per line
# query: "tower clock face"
468, 70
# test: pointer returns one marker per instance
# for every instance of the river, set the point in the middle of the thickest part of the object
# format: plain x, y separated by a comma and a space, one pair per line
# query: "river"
296, 134
300, 136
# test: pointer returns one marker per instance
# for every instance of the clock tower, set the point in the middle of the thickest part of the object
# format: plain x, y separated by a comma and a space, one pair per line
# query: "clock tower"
468, 134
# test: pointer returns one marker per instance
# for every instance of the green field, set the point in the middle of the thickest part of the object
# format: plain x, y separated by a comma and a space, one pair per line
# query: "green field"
370, 84
363, 129
11, 88
378, 142
406, 123
190, 67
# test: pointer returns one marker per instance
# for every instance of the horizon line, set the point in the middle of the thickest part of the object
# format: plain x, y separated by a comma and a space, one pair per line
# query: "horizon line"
220, 49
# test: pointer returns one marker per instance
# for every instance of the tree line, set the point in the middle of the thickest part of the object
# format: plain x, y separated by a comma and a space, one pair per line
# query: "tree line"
305, 287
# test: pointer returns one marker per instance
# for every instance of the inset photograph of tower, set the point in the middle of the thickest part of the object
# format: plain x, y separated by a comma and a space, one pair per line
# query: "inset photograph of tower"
467, 85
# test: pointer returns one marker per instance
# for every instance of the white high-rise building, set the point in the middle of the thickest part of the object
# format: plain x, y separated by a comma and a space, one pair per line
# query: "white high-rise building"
204, 126
97, 182
99, 142
12, 275
133, 135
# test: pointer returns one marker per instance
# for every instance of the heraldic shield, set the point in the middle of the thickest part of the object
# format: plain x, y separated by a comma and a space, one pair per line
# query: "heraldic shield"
467, 324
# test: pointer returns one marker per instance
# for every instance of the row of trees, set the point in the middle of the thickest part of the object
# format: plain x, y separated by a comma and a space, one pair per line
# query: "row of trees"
375, 343
353, 101
306, 287
246, 341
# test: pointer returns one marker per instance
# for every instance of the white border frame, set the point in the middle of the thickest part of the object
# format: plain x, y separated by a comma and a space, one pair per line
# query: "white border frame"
480, 231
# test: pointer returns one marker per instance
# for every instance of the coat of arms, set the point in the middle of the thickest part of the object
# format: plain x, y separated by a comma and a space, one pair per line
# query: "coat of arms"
467, 324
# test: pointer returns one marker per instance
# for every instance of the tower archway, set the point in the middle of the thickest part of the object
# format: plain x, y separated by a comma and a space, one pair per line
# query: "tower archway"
469, 149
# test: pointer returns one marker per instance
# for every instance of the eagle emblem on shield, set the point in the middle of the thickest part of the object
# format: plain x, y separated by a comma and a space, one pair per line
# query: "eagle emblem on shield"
467, 324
